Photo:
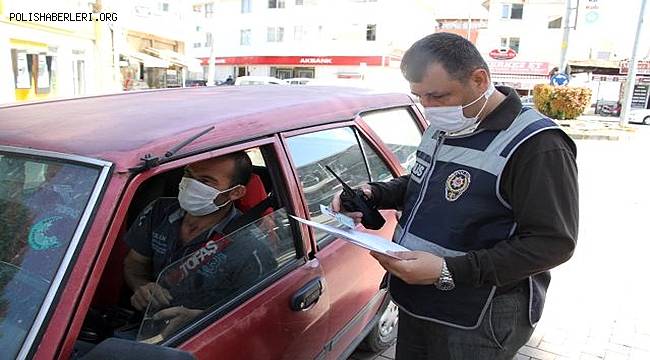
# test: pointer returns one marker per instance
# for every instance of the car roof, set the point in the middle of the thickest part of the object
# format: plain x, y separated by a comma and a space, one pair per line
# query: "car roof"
123, 127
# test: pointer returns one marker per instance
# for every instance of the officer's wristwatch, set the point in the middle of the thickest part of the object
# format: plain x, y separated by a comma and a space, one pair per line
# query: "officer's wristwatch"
445, 281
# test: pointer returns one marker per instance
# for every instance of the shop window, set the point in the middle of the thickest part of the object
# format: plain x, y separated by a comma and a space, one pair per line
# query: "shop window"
209, 10
371, 32
512, 11
517, 11
275, 34
245, 37
555, 24
208, 39
276, 4
245, 6
514, 44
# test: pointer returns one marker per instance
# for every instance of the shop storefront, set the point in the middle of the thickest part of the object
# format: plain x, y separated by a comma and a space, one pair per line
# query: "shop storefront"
641, 91
319, 67
151, 62
519, 75
34, 68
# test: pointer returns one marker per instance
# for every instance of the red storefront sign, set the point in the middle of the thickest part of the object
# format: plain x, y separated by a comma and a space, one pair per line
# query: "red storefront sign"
298, 60
519, 67
643, 67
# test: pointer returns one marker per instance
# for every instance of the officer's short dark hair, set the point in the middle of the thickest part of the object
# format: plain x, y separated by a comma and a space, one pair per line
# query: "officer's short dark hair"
457, 55
243, 168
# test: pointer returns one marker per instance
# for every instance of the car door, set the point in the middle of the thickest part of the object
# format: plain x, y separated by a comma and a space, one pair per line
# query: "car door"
352, 275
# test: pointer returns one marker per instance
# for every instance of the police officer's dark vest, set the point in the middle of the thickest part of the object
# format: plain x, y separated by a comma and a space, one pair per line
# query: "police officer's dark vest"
452, 206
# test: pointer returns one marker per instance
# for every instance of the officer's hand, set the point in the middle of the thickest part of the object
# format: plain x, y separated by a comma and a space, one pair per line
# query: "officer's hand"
175, 317
415, 267
158, 296
337, 206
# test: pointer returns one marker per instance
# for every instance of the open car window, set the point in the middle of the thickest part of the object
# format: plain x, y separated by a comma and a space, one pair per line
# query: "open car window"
215, 274
41, 204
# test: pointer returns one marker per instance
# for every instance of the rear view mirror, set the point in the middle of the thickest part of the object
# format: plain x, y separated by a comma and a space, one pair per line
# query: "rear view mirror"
120, 349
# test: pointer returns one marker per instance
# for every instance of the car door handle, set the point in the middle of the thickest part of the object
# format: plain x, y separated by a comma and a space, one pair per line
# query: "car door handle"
307, 295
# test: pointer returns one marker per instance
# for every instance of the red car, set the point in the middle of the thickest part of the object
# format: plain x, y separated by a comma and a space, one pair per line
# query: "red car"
75, 174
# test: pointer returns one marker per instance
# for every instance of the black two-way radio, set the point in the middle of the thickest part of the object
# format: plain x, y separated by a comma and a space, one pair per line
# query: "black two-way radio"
356, 200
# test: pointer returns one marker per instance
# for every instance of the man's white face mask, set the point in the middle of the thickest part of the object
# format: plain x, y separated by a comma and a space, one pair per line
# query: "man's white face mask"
197, 198
451, 119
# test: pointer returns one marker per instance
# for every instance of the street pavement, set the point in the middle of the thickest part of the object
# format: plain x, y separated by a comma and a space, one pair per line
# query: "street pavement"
598, 305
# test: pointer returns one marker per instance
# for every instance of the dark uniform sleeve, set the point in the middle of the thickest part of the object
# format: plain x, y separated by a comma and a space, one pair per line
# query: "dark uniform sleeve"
390, 194
541, 183
138, 237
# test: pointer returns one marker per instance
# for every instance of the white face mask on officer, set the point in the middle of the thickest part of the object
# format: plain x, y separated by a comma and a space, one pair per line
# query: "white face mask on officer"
197, 198
451, 119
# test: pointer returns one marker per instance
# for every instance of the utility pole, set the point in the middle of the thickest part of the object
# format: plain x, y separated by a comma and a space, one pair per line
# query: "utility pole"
565, 36
631, 72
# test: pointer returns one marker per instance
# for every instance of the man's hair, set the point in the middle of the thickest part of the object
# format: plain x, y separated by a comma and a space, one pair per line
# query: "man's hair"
243, 168
458, 56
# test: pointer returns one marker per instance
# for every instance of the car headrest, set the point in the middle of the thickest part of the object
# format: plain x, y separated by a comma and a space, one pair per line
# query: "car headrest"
255, 193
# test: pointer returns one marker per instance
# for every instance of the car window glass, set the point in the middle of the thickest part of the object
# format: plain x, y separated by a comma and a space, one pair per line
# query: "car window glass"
398, 130
379, 171
336, 148
41, 202
216, 273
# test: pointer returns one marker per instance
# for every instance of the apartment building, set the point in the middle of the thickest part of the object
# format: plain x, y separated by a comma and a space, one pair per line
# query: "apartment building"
322, 39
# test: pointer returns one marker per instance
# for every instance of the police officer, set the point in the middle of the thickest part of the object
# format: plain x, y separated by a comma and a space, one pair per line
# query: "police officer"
490, 206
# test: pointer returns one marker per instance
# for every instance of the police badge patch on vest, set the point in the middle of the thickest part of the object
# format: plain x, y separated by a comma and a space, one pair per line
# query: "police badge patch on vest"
456, 184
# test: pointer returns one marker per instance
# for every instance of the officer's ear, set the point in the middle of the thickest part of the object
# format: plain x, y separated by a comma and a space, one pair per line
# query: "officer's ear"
480, 79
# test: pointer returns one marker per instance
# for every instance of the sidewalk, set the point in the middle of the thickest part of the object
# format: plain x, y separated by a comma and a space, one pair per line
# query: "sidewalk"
594, 127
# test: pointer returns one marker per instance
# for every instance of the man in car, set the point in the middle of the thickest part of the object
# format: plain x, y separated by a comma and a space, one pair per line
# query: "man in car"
180, 260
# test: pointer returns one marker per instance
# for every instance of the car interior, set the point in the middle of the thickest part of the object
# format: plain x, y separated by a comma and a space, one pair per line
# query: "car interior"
111, 312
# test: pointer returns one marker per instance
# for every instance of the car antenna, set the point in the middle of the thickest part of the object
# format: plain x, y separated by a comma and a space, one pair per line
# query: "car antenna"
149, 161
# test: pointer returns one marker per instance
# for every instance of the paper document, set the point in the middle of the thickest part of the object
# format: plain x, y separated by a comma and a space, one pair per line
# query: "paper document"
367, 241
340, 218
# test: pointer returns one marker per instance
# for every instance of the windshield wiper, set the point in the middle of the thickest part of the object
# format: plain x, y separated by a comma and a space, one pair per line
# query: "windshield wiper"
149, 161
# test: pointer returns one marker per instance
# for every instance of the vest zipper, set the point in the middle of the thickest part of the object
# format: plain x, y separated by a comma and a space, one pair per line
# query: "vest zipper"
440, 139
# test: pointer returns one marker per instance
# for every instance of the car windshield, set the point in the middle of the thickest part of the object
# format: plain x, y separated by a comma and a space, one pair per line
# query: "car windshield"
41, 202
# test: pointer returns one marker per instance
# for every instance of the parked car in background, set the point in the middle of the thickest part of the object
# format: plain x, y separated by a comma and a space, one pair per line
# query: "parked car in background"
639, 116
259, 80
198, 82
610, 104
613, 109
299, 81
69, 194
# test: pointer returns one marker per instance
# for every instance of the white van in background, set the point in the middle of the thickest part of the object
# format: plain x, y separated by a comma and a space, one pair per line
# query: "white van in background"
639, 116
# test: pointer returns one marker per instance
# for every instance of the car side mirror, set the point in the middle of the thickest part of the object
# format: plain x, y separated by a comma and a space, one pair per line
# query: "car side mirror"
114, 348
